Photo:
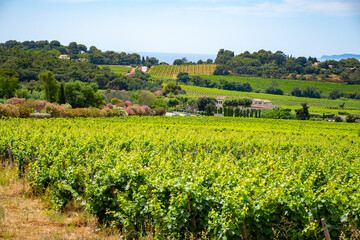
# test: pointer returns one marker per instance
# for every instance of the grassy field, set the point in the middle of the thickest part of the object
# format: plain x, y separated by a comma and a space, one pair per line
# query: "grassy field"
322, 105
170, 71
117, 69
285, 84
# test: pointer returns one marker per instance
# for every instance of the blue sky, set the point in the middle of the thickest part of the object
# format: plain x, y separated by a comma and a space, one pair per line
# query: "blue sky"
296, 27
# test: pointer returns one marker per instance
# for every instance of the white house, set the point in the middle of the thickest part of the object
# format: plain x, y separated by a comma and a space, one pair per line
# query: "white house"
65, 57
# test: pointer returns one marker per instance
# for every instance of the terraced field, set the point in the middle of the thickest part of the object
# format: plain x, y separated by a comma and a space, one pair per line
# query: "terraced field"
117, 69
286, 84
323, 105
170, 71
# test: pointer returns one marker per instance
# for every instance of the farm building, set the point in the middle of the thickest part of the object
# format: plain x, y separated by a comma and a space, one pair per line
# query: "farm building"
65, 57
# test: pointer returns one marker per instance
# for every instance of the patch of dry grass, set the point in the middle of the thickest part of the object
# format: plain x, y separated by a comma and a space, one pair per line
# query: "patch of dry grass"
24, 216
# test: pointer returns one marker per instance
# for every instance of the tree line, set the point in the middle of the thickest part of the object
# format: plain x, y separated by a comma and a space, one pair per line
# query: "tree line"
278, 65
77, 51
25, 67
184, 78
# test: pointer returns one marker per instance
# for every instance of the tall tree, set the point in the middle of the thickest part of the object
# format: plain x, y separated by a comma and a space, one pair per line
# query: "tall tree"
49, 85
61, 99
9, 82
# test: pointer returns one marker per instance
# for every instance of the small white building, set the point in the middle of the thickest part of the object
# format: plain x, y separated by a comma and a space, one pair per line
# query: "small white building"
64, 57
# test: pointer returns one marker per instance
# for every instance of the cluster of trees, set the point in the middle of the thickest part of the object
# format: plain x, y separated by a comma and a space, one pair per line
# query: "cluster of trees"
184, 61
77, 94
236, 102
184, 78
310, 92
28, 64
278, 65
76, 51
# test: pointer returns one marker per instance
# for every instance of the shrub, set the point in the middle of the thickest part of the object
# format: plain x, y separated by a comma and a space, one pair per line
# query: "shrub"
146, 109
338, 119
160, 111
7, 110
137, 109
15, 100
24, 111
55, 110
350, 118
122, 112
38, 106
67, 105
115, 101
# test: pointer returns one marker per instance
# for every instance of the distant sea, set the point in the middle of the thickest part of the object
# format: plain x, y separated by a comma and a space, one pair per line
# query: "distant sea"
170, 57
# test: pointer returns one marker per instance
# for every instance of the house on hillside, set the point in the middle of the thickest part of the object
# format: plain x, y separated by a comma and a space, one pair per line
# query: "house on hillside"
219, 101
257, 103
64, 57
262, 104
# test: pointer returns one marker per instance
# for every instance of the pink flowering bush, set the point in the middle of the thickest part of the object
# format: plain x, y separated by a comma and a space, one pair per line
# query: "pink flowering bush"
158, 93
109, 106
130, 111
146, 109
128, 103
55, 110
38, 106
137, 109
15, 100
8, 110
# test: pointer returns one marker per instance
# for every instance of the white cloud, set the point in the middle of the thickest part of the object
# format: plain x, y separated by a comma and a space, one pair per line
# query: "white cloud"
290, 7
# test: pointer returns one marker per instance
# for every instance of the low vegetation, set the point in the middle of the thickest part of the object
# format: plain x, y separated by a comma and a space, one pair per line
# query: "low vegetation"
211, 177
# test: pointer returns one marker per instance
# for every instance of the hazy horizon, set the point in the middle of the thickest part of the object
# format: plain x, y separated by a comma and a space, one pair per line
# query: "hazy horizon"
296, 27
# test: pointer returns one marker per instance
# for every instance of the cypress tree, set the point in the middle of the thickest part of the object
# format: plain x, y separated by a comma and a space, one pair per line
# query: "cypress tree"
237, 112
62, 93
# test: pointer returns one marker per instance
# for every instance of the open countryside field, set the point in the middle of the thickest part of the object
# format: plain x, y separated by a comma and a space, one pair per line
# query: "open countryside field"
286, 84
276, 99
117, 69
170, 71
173, 177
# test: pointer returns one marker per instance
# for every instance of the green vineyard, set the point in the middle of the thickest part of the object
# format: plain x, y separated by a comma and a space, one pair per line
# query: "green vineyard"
351, 105
208, 177
170, 71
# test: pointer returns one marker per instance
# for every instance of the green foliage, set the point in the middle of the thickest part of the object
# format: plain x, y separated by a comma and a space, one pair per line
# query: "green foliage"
287, 85
196, 175
350, 118
22, 93
171, 88
172, 102
303, 113
49, 85
288, 101
203, 102
80, 95
274, 89
61, 98
235, 102
171, 71
237, 112
278, 114
9, 83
